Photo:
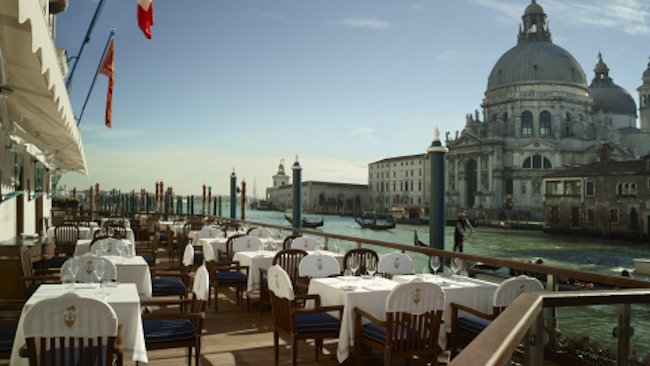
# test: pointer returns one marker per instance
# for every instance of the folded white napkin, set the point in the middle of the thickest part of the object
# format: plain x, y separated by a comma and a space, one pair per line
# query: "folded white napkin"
201, 286
188, 255
208, 252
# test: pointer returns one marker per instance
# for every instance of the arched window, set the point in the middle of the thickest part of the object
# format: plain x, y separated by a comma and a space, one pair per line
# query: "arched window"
545, 124
537, 162
633, 188
526, 123
619, 188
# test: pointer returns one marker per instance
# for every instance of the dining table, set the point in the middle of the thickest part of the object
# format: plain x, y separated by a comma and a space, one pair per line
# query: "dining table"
122, 297
83, 246
370, 294
135, 270
263, 259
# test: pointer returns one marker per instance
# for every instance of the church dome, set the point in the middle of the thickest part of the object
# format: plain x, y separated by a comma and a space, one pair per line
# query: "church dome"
535, 59
608, 96
535, 62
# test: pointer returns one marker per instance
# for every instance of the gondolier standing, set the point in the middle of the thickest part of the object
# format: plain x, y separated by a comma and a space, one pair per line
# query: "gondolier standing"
461, 232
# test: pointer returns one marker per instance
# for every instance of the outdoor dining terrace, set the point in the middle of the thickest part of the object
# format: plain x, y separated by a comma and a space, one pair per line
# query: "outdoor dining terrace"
526, 331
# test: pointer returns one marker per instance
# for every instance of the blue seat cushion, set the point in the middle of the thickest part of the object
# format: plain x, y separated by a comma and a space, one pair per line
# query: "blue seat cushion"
77, 361
7, 334
316, 322
473, 324
167, 286
168, 330
149, 259
198, 258
32, 288
57, 261
378, 333
231, 277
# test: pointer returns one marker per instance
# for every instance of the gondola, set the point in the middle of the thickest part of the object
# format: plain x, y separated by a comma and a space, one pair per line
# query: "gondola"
311, 223
375, 222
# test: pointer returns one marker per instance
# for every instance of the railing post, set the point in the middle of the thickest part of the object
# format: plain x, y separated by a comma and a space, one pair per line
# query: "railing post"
534, 343
624, 312
551, 313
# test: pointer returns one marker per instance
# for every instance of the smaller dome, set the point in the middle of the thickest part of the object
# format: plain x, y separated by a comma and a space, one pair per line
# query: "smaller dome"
612, 99
534, 8
646, 74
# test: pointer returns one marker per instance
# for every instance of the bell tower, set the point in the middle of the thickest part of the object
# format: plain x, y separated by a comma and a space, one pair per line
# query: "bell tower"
644, 100
280, 179
534, 27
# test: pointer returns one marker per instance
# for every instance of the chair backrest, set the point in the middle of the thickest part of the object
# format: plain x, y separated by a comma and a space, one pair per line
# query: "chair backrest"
87, 264
70, 322
363, 255
280, 283
201, 285
260, 232
110, 243
246, 243
318, 266
66, 235
417, 307
209, 232
509, 289
304, 243
286, 243
395, 263
118, 231
208, 252
289, 260
188, 255
229, 243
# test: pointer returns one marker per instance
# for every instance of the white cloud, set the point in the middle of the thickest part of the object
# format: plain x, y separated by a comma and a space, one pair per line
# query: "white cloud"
631, 16
362, 23
364, 133
268, 15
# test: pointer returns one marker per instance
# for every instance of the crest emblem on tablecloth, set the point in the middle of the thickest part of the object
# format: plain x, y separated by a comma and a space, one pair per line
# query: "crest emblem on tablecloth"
417, 296
319, 264
70, 316
90, 267
396, 263
248, 243
109, 247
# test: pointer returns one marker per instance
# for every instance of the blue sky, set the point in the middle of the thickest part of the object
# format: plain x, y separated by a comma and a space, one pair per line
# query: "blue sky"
242, 84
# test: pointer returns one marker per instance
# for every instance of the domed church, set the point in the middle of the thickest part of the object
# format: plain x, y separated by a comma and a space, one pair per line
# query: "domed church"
540, 115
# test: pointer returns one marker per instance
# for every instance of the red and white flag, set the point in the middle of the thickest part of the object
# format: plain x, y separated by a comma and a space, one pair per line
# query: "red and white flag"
145, 16
107, 68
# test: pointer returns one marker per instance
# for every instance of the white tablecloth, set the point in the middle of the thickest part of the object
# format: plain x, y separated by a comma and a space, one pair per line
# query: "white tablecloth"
257, 260
83, 246
370, 295
471, 292
133, 270
123, 299
219, 244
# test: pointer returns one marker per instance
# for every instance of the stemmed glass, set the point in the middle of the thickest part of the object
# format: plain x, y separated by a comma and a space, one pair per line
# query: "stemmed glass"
274, 245
353, 264
371, 268
74, 268
434, 261
100, 270
456, 265
337, 245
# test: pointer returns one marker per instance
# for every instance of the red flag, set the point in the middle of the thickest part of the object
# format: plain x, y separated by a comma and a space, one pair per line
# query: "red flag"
145, 16
107, 68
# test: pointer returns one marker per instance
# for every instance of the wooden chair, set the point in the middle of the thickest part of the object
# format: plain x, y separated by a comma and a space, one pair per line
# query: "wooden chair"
318, 266
363, 256
228, 274
412, 325
260, 232
72, 330
228, 254
294, 323
179, 330
171, 280
466, 326
65, 240
9, 315
395, 263
286, 243
118, 231
289, 260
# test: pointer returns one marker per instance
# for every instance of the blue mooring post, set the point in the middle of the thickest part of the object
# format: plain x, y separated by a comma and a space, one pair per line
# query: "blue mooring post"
437, 194
233, 195
297, 182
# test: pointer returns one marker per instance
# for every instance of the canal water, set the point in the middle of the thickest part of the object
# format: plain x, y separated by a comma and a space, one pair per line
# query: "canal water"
600, 255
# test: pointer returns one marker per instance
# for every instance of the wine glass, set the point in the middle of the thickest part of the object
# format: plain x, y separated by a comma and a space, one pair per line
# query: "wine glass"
100, 270
337, 245
371, 268
353, 264
456, 265
274, 245
434, 261
74, 268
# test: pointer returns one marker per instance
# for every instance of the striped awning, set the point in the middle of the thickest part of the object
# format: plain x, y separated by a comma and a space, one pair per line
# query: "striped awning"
32, 85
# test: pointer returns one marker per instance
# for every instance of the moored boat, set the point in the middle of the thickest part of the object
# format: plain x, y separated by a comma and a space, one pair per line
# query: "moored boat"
375, 222
307, 222
642, 265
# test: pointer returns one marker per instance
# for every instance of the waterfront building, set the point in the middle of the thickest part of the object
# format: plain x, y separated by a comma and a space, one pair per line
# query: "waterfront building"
317, 197
39, 135
609, 198
538, 115
397, 182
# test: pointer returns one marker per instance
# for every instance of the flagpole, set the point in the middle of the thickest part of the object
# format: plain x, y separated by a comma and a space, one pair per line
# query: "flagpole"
110, 37
98, 11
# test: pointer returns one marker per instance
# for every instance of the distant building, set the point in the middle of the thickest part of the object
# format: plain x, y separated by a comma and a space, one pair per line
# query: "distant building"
398, 181
610, 198
538, 115
317, 197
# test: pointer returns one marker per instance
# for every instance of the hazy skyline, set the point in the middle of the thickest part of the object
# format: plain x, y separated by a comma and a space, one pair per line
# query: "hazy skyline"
242, 84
